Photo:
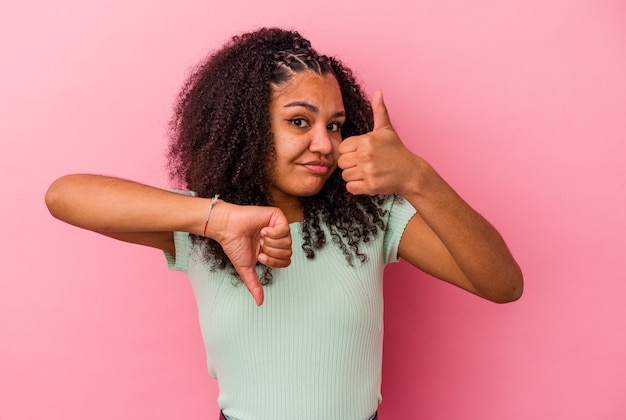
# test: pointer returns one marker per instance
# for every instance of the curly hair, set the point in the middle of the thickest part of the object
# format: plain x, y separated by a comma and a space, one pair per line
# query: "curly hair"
220, 136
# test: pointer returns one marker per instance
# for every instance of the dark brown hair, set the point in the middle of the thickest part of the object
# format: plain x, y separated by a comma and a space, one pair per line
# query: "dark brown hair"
220, 137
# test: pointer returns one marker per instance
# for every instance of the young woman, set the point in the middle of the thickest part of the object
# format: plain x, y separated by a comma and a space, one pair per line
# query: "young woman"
295, 185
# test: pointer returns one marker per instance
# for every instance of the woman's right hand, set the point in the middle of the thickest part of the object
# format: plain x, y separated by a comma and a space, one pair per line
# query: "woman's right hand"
145, 215
251, 234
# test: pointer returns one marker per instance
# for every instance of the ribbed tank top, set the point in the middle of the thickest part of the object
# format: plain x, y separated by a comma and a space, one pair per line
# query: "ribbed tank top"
313, 350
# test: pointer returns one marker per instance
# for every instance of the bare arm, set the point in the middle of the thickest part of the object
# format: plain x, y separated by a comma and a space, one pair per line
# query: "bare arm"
145, 215
446, 238
124, 209
462, 247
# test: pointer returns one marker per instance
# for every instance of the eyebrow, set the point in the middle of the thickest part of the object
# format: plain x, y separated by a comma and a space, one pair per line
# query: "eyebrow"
312, 108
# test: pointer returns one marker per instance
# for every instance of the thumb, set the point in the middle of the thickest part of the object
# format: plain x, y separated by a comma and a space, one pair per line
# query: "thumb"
381, 116
251, 280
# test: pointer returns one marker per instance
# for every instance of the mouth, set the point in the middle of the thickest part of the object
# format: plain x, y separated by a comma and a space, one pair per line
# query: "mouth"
318, 166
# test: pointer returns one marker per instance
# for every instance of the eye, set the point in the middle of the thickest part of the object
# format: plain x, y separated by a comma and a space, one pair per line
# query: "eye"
335, 127
299, 122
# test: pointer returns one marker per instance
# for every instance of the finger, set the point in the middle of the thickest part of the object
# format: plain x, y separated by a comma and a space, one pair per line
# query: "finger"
280, 248
251, 280
381, 116
278, 232
269, 243
357, 188
348, 145
278, 221
346, 161
275, 253
275, 261
352, 174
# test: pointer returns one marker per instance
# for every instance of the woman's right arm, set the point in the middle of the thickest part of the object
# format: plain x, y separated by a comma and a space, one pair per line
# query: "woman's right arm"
125, 210
146, 215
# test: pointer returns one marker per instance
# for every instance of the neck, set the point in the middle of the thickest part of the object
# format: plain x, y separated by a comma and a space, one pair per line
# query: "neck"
292, 208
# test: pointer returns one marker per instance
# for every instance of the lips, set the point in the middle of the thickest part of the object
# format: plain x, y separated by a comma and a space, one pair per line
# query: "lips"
318, 166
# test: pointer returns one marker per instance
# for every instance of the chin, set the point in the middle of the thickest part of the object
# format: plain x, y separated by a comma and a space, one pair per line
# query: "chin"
302, 189
309, 193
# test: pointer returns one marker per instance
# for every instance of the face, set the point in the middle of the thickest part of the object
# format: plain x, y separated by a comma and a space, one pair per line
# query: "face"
306, 114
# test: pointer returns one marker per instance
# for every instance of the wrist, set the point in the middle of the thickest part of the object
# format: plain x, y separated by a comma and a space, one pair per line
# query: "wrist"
419, 178
425, 186
215, 226
208, 217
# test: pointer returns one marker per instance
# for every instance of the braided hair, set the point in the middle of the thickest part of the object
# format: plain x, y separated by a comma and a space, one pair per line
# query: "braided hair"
220, 137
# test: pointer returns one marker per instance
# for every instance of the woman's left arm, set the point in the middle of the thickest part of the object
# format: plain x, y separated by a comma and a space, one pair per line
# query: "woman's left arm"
446, 238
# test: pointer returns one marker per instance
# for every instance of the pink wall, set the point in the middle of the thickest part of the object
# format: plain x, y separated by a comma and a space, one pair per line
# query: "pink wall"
521, 105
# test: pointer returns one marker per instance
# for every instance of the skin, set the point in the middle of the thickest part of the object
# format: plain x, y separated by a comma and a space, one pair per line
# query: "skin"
446, 238
306, 115
145, 215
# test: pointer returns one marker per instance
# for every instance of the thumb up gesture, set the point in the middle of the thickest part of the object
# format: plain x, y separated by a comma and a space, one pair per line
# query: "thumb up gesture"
377, 162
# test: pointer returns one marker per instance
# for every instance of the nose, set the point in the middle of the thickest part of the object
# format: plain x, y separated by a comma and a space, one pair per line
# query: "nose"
321, 141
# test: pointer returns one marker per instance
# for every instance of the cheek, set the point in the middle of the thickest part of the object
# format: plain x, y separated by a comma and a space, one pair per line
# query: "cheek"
283, 155
336, 144
289, 148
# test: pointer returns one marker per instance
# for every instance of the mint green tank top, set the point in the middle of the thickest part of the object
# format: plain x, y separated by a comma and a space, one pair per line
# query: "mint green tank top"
313, 350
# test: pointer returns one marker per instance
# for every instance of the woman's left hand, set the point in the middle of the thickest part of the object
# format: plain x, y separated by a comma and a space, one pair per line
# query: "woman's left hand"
377, 162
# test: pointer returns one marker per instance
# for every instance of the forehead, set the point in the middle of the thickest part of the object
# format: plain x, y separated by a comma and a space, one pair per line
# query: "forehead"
309, 86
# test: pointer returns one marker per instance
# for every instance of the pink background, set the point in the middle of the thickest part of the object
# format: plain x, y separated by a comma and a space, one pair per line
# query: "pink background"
521, 105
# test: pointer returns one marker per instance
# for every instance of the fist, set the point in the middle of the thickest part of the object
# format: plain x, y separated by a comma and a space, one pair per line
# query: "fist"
376, 162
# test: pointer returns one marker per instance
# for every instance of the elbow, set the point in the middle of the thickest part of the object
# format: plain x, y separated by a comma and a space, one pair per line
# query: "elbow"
512, 290
509, 296
56, 194
53, 198
504, 285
